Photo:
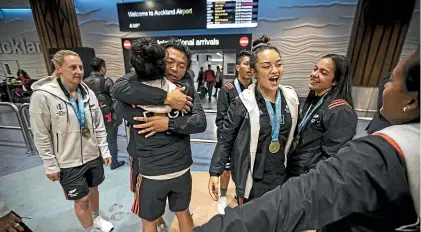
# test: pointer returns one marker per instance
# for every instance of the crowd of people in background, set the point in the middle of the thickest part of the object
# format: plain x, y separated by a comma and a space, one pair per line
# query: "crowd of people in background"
295, 167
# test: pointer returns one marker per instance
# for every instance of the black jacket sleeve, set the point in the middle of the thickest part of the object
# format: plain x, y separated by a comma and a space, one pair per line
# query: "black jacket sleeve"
131, 91
363, 173
222, 108
195, 122
340, 125
127, 112
227, 136
109, 84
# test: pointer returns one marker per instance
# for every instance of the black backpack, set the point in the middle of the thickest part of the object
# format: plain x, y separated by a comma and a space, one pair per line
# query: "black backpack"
106, 105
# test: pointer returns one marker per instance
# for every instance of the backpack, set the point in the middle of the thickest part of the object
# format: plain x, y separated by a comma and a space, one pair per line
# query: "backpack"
106, 105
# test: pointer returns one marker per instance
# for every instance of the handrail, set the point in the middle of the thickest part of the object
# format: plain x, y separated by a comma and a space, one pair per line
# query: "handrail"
21, 124
27, 128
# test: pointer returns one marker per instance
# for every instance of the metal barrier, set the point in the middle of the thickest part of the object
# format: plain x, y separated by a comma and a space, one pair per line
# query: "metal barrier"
22, 126
24, 111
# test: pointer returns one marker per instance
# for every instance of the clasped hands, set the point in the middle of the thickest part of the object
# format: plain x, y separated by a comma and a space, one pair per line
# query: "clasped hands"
159, 123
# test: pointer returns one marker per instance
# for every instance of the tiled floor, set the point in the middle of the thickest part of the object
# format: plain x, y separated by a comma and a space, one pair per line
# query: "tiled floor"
31, 194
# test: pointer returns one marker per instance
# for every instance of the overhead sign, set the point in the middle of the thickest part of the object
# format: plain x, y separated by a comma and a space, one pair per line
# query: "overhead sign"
203, 42
162, 15
233, 43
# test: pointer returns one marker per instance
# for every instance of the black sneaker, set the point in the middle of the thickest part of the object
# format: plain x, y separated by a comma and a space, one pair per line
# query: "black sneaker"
119, 164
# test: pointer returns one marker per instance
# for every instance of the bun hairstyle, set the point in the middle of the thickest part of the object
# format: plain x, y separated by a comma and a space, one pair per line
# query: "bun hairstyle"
262, 40
260, 44
148, 59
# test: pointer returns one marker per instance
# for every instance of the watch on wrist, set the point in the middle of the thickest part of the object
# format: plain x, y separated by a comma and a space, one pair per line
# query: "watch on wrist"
171, 124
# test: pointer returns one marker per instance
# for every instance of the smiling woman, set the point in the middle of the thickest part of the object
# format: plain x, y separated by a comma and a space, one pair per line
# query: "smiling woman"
327, 120
261, 123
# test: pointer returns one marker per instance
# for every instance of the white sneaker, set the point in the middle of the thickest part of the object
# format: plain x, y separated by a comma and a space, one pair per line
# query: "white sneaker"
162, 228
222, 204
103, 225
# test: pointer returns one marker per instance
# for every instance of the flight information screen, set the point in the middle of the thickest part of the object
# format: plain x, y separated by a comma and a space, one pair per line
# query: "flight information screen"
232, 14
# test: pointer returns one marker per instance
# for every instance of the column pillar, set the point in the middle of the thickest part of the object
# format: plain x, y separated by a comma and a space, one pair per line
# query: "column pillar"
375, 46
57, 26
377, 38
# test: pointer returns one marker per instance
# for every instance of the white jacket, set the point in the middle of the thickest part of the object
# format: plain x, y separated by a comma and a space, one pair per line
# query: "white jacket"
249, 100
407, 137
56, 129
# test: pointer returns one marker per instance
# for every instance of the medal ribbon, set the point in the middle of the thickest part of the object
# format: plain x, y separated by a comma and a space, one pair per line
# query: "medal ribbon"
308, 115
275, 117
79, 108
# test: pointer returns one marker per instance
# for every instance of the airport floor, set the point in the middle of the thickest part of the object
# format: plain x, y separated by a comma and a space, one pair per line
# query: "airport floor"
29, 193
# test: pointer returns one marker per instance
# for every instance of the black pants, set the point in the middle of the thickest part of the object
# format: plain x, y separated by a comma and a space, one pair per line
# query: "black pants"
268, 183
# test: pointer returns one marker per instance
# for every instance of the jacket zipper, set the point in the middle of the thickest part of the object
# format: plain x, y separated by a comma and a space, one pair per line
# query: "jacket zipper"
57, 142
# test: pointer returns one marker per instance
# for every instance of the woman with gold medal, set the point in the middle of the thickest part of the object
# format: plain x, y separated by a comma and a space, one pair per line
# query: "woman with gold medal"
70, 137
258, 129
327, 119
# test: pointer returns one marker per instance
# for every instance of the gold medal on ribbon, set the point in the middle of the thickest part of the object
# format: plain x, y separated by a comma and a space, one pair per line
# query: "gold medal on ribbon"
86, 132
274, 147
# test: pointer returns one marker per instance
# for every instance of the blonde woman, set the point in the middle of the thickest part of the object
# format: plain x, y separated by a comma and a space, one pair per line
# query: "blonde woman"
70, 136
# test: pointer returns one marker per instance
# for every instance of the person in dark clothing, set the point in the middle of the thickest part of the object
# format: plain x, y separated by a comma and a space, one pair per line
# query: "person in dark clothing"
327, 120
219, 80
164, 158
371, 184
102, 86
226, 97
379, 122
258, 129
200, 79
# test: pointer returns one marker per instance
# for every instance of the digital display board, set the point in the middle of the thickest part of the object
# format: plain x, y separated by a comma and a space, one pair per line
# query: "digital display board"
162, 15
231, 14
187, 14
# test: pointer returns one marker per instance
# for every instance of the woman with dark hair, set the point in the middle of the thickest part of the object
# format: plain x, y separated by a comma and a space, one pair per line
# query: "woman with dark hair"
163, 157
258, 129
23, 77
327, 120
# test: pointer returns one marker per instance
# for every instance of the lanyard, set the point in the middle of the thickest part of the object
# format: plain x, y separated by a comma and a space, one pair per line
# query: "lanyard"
275, 117
308, 115
238, 88
80, 112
